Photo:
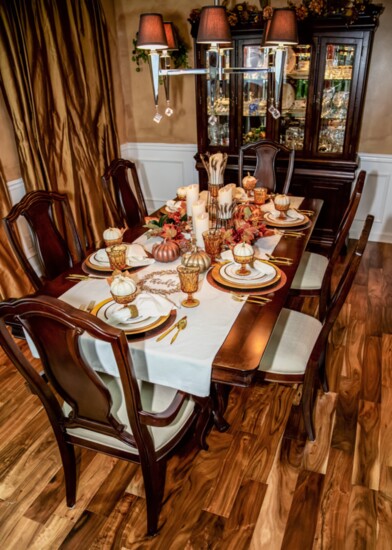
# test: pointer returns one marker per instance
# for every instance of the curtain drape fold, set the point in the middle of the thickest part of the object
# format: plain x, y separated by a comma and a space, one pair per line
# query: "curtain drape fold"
55, 74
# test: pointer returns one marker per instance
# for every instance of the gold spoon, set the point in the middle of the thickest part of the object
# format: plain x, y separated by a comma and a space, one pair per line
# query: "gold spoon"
181, 325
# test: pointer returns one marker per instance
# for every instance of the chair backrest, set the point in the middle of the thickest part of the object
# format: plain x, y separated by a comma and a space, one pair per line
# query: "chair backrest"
340, 240
52, 226
343, 288
55, 329
266, 152
129, 206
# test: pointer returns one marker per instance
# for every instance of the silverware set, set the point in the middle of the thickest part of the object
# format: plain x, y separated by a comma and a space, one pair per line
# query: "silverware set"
180, 325
250, 298
306, 212
87, 307
79, 277
293, 234
279, 260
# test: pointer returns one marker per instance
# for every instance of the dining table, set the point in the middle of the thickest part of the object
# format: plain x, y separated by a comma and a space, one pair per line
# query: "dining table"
224, 339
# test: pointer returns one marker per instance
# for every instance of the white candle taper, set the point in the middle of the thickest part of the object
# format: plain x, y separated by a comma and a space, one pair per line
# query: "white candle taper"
192, 195
200, 224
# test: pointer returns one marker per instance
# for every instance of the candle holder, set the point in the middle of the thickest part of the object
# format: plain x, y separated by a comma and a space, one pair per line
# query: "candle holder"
225, 215
213, 204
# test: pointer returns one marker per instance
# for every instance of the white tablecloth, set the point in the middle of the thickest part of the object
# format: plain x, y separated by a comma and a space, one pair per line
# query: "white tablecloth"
186, 364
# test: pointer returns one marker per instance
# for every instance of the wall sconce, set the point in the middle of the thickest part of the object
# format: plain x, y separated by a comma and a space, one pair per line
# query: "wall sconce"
214, 30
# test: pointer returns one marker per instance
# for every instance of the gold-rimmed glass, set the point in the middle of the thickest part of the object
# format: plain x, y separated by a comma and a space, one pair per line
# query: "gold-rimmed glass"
117, 255
213, 243
189, 282
243, 261
260, 195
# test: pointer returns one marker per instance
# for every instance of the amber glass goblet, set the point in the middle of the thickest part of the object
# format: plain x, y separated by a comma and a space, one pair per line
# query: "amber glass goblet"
117, 256
189, 282
213, 243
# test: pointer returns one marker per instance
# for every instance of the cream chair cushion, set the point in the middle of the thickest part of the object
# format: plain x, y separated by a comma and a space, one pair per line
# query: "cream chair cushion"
310, 272
155, 398
291, 343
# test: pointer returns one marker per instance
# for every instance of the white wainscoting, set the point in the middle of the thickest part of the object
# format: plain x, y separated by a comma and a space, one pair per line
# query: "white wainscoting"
377, 197
162, 168
165, 167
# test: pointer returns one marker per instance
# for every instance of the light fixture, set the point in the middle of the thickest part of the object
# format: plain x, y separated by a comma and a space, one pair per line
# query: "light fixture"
214, 30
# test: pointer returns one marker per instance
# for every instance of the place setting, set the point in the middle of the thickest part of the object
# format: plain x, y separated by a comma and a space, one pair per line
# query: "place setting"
283, 216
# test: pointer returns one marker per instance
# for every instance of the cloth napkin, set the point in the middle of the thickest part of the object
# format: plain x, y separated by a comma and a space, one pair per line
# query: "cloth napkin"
291, 214
102, 256
148, 305
137, 256
173, 206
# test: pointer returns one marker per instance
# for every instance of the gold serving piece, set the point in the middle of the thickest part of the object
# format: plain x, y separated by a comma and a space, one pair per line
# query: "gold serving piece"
169, 330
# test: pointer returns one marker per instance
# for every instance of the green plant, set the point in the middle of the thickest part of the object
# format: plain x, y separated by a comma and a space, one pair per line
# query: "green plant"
179, 57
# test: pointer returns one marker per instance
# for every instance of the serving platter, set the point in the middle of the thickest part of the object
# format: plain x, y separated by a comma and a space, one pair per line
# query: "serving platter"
141, 324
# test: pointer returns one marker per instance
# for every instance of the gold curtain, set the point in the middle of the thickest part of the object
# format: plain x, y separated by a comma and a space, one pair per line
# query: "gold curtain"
55, 75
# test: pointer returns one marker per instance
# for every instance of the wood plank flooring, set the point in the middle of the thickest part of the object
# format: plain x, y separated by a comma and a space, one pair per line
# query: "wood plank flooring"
260, 485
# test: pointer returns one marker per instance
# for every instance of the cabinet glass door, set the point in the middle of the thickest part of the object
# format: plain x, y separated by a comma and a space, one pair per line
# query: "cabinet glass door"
295, 96
335, 97
218, 109
254, 94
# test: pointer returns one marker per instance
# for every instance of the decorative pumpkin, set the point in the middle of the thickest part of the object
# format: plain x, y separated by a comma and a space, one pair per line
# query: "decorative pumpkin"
113, 235
243, 250
282, 200
249, 183
248, 212
123, 289
197, 258
165, 252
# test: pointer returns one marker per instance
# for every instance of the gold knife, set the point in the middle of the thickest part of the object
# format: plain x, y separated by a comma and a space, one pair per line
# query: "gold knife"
168, 331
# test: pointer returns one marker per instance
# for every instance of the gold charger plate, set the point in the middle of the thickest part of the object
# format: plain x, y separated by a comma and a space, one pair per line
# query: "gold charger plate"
283, 223
247, 284
89, 267
101, 311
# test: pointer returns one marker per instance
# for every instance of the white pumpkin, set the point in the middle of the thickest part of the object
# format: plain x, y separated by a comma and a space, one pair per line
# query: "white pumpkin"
282, 200
243, 249
122, 286
112, 233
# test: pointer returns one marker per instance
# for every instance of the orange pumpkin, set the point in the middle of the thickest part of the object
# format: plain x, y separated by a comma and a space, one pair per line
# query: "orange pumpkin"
248, 212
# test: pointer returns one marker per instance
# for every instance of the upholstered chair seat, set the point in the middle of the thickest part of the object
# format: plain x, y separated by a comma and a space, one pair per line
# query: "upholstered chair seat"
310, 272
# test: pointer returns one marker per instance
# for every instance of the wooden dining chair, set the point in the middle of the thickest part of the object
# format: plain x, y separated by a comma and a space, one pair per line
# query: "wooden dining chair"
54, 234
266, 152
314, 274
122, 417
129, 207
296, 349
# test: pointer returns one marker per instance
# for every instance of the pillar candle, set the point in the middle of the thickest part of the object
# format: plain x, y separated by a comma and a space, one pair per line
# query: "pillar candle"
200, 224
198, 207
192, 195
225, 197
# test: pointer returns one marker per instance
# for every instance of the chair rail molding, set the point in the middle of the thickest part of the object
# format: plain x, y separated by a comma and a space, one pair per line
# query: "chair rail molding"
376, 198
162, 168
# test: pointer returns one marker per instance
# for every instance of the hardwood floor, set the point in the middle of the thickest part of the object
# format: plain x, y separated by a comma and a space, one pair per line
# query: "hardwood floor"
259, 486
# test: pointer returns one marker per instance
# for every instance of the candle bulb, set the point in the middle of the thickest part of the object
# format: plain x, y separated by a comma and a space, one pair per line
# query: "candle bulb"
225, 198
198, 207
201, 223
192, 195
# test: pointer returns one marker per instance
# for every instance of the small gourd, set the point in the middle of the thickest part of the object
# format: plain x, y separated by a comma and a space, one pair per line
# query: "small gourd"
113, 235
167, 251
249, 183
282, 200
197, 258
123, 289
243, 250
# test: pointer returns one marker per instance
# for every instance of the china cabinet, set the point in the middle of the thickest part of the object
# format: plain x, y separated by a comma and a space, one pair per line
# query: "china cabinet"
321, 107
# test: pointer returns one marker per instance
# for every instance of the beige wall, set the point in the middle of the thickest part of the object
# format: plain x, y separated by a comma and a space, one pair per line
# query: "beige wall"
133, 92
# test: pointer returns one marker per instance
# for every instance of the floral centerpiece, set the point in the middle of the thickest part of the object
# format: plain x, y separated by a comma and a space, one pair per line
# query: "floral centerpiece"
169, 226
245, 232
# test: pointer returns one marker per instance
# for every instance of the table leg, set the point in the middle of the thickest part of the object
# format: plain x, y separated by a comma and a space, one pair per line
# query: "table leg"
219, 394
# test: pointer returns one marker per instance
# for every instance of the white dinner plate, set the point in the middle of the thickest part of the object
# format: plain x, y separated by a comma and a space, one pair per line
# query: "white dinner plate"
260, 272
292, 220
104, 310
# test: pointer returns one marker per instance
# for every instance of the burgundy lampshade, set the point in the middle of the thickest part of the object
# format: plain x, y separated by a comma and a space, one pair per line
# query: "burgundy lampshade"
213, 26
171, 37
151, 35
283, 28
265, 33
